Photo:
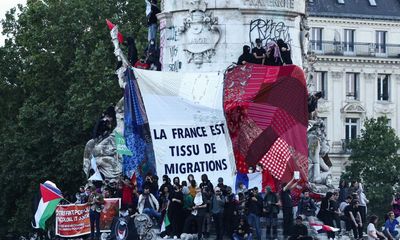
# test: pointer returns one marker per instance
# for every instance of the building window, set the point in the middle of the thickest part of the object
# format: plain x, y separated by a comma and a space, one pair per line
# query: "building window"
316, 39
349, 40
352, 86
380, 42
352, 125
383, 87
322, 84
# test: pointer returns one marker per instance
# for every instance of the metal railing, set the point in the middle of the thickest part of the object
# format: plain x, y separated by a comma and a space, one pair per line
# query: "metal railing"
358, 49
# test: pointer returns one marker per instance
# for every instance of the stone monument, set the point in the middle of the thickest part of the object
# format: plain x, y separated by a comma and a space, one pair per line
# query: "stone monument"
208, 35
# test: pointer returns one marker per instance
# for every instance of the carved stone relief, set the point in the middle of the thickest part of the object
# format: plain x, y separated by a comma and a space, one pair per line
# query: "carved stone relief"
353, 108
200, 33
384, 108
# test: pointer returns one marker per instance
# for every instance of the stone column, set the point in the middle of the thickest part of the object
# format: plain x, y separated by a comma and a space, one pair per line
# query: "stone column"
208, 35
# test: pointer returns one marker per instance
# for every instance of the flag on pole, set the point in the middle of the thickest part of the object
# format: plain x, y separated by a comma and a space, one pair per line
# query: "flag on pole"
50, 197
111, 26
121, 145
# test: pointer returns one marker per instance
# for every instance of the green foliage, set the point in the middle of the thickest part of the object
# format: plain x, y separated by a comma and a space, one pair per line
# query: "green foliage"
56, 77
374, 159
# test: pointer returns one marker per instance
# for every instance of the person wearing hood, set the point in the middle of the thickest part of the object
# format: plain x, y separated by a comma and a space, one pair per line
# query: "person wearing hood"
285, 52
246, 56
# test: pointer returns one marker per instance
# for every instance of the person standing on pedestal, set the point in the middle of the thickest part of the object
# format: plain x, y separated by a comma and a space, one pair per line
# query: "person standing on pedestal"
151, 11
96, 203
287, 206
259, 52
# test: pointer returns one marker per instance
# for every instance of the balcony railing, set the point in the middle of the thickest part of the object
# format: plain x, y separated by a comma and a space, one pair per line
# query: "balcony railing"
358, 49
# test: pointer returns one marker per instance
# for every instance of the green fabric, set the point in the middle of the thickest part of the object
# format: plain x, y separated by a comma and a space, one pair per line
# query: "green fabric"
187, 201
48, 212
121, 145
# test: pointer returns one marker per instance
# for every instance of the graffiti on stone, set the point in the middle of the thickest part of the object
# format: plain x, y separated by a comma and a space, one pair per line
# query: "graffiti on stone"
268, 30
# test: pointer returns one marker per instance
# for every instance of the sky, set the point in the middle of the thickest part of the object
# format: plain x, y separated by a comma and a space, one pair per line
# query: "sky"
5, 5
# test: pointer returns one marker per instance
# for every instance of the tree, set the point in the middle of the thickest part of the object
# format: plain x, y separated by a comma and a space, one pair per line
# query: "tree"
374, 159
56, 77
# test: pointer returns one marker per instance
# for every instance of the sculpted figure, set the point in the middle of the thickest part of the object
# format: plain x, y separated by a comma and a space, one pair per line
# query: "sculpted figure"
319, 165
102, 148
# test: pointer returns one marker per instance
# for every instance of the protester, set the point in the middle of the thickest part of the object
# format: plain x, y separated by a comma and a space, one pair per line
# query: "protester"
271, 210
222, 186
285, 52
306, 206
287, 206
217, 210
96, 203
176, 181
142, 63
148, 204
152, 19
373, 234
353, 219
246, 56
326, 213
390, 227
363, 203
175, 212
192, 188
241, 188
207, 190
81, 196
242, 231
230, 211
343, 190
313, 102
300, 231
254, 206
166, 183
153, 55
259, 52
197, 214
127, 188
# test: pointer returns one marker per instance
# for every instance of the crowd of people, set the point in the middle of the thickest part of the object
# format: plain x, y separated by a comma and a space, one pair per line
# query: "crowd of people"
201, 208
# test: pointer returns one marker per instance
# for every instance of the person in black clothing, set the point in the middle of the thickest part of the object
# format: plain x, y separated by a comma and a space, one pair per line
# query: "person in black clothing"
285, 52
300, 231
208, 190
197, 214
229, 211
287, 206
152, 53
254, 206
242, 231
306, 206
132, 50
175, 211
246, 57
326, 213
353, 219
259, 52
313, 101
166, 183
152, 20
271, 210
222, 186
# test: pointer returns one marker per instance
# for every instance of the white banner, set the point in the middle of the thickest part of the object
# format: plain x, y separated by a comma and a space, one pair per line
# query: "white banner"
187, 124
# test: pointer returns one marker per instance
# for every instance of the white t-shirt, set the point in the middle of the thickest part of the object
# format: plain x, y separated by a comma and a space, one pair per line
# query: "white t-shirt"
371, 228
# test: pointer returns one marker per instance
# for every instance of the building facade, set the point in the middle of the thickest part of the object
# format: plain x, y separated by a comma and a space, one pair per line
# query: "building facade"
357, 48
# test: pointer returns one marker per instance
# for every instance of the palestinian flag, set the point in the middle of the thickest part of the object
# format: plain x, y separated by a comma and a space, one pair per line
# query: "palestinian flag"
165, 222
321, 228
50, 197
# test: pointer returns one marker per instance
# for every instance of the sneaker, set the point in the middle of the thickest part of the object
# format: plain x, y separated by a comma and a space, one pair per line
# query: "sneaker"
175, 237
166, 236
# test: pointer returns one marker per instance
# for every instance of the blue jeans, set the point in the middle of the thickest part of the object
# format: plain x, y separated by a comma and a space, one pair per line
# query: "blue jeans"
94, 219
152, 32
237, 237
152, 213
254, 221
